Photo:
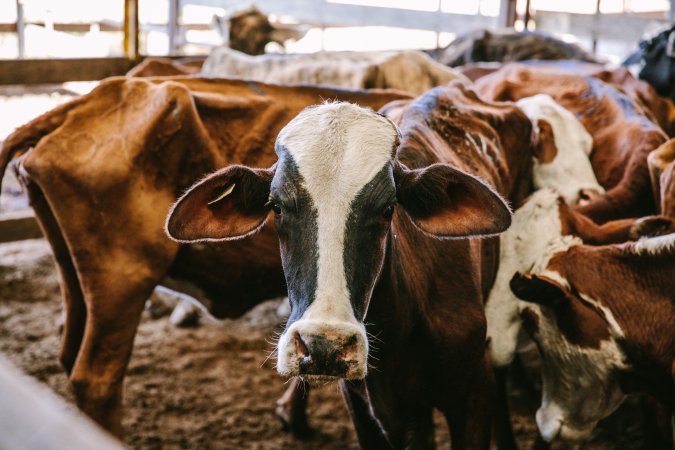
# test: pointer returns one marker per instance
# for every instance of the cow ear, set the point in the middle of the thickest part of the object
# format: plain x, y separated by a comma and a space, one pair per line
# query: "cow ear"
537, 289
545, 149
229, 204
448, 203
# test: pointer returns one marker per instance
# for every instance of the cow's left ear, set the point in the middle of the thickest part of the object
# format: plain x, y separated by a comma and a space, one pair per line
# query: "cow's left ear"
229, 204
447, 203
537, 289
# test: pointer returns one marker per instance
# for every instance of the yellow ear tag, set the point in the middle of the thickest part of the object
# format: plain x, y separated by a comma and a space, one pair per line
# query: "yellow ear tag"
227, 192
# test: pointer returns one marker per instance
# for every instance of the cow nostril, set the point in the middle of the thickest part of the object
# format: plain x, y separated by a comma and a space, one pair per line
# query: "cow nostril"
300, 346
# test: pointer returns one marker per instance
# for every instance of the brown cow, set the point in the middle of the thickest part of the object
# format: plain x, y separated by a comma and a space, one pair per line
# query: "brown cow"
661, 109
164, 67
358, 266
102, 172
603, 321
622, 134
662, 172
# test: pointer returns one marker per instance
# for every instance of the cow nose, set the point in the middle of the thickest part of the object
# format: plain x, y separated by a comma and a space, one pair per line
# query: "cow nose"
320, 355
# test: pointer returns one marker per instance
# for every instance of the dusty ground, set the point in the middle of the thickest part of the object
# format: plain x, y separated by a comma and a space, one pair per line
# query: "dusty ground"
206, 387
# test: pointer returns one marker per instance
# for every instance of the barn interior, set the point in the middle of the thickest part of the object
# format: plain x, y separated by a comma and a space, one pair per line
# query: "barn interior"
202, 370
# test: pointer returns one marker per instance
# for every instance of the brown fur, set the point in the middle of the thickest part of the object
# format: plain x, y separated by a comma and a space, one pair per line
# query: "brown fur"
421, 341
622, 134
638, 289
103, 172
163, 67
662, 173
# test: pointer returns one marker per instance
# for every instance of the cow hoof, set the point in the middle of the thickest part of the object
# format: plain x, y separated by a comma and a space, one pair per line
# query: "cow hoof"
185, 314
293, 421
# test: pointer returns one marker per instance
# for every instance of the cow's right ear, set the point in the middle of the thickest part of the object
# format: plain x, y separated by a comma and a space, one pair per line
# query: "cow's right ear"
537, 289
229, 204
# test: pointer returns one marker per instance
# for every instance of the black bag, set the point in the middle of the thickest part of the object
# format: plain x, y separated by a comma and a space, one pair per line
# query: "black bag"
659, 62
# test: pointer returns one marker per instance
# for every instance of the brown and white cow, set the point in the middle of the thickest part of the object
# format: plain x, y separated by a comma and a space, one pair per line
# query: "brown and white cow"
543, 219
378, 233
602, 318
411, 71
622, 134
561, 151
102, 172
662, 172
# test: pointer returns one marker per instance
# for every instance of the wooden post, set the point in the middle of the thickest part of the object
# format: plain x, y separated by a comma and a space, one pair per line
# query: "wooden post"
526, 19
596, 19
131, 29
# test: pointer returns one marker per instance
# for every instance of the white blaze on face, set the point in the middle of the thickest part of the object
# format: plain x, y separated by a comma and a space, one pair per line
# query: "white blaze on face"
571, 170
338, 148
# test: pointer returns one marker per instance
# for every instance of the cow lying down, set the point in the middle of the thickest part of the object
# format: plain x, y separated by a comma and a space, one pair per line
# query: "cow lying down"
602, 318
408, 70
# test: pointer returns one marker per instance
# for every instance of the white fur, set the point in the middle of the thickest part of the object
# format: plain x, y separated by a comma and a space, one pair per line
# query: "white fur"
533, 228
655, 245
580, 386
571, 170
338, 148
409, 70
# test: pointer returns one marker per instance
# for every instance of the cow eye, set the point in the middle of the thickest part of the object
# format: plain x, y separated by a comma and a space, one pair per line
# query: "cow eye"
388, 212
276, 208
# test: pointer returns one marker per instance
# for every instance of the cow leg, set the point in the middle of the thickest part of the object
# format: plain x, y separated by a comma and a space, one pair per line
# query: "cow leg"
368, 430
540, 444
292, 407
470, 417
75, 310
114, 305
503, 430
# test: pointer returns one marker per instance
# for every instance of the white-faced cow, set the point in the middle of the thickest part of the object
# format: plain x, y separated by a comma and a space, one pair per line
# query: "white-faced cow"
562, 150
602, 318
377, 234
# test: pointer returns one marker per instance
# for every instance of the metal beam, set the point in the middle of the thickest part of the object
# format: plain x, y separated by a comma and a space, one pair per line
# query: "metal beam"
20, 29
174, 12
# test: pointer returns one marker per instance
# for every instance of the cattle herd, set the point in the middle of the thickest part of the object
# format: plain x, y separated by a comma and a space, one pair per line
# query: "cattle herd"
425, 222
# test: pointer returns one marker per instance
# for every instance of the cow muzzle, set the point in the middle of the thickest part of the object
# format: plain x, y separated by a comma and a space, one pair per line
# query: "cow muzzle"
323, 351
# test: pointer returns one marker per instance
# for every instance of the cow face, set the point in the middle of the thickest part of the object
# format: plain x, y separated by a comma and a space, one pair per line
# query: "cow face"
581, 361
334, 192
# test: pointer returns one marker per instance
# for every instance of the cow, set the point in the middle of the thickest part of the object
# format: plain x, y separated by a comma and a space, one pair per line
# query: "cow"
248, 30
101, 173
379, 235
408, 70
561, 154
658, 108
165, 67
622, 134
662, 172
507, 46
602, 318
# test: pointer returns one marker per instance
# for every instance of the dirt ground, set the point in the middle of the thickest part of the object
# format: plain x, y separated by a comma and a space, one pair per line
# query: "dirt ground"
204, 387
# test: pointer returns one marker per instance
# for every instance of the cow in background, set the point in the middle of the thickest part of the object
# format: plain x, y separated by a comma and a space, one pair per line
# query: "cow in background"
507, 46
407, 70
603, 319
102, 171
662, 172
622, 134
249, 31
375, 266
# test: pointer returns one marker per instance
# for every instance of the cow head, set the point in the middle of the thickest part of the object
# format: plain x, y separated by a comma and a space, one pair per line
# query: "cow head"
581, 362
334, 191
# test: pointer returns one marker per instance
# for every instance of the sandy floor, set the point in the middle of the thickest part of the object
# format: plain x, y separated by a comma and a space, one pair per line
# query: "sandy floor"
205, 387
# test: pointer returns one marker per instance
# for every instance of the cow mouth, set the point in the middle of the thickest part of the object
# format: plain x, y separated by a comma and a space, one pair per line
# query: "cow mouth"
319, 380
